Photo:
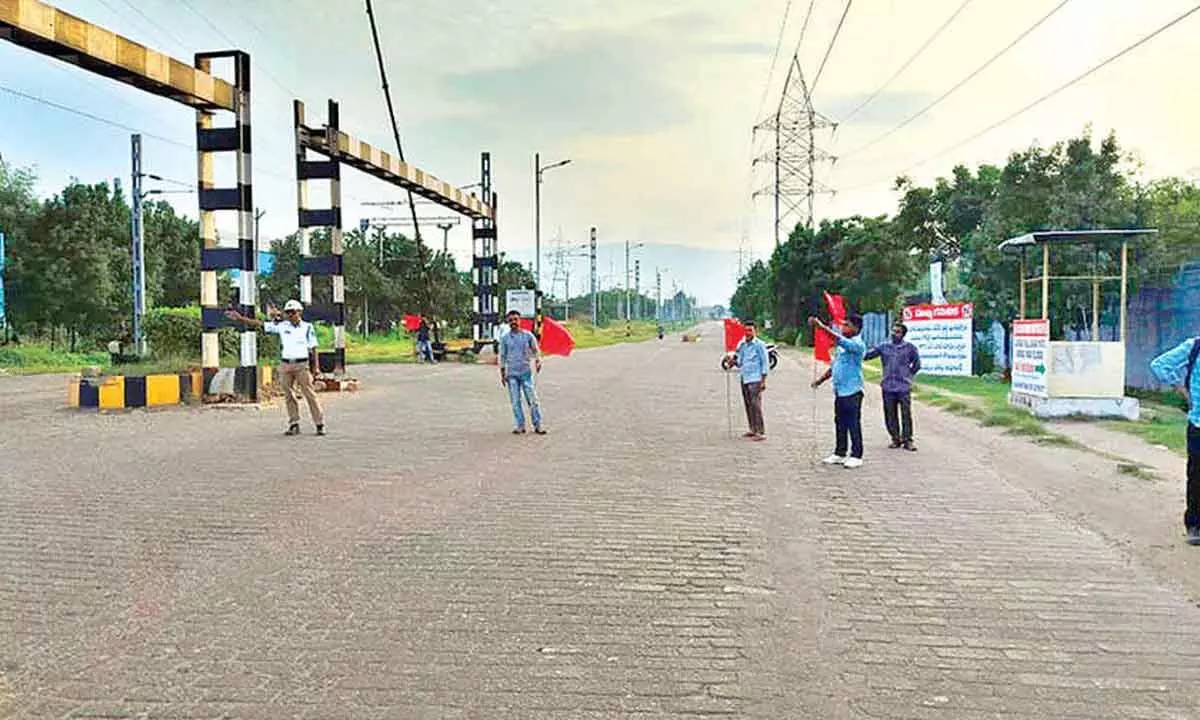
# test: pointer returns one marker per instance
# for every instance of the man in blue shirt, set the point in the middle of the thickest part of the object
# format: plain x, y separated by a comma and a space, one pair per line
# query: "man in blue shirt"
520, 357
901, 362
751, 357
847, 374
1178, 367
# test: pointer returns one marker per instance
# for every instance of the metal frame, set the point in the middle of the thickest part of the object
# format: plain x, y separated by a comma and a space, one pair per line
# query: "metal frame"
485, 262
341, 148
49, 31
1094, 237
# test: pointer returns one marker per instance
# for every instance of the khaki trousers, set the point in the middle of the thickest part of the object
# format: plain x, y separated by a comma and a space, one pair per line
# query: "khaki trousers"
297, 375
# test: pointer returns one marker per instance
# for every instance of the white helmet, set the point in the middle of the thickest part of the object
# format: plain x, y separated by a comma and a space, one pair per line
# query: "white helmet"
293, 305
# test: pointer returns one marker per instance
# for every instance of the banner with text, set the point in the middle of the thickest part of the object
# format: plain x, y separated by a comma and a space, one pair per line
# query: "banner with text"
943, 336
1031, 344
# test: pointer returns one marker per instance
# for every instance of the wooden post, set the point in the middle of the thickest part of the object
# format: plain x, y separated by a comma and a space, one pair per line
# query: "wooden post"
1124, 283
1023, 284
1096, 293
1045, 280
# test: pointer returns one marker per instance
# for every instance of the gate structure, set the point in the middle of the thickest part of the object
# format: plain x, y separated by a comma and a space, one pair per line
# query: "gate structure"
47, 30
338, 148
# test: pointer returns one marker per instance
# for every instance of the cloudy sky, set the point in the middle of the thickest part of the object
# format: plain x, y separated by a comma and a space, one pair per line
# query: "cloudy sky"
653, 101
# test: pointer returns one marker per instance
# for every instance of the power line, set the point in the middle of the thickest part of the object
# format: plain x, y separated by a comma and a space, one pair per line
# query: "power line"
97, 118
233, 44
774, 59
1070, 83
804, 27
829, 49
170, 35
958, 85
917, 54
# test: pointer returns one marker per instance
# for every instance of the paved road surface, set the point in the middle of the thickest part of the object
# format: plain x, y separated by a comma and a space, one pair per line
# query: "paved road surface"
421, 562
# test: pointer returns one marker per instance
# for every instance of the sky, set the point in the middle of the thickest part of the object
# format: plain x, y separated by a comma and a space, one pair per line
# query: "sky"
652, 101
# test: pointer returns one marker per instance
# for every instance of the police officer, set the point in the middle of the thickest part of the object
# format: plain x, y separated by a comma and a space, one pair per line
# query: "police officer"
298, 364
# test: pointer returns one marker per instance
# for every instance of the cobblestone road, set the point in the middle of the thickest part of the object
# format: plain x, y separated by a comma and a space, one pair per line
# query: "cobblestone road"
421, 562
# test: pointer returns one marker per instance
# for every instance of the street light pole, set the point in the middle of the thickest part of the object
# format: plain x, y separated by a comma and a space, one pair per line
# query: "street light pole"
138, 250
538, 170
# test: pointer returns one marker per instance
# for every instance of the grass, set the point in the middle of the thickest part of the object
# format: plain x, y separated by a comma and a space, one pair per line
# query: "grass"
39, 359
1137, 471
588, 337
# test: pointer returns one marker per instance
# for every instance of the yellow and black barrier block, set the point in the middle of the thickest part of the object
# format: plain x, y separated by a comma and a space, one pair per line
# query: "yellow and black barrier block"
126, 392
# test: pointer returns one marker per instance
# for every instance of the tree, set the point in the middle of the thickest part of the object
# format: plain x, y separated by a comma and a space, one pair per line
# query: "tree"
753, 299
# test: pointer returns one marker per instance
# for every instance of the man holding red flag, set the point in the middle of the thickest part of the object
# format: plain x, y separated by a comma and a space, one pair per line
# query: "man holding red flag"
751, 357
847, 375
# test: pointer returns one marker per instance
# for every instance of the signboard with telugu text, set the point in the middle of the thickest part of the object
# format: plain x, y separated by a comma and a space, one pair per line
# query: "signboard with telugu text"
1031, 343
943, 336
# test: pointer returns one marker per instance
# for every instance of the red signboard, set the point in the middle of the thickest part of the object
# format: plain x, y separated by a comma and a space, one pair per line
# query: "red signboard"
952, 311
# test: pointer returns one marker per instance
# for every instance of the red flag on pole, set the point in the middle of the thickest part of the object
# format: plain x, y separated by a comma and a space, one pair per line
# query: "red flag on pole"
823, 341
734, 332
556, 339
412, 322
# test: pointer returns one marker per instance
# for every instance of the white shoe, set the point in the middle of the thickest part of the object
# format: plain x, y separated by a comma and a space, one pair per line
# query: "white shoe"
834, 460
852, 463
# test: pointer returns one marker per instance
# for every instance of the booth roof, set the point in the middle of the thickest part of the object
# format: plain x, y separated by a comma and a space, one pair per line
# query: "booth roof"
1072, 236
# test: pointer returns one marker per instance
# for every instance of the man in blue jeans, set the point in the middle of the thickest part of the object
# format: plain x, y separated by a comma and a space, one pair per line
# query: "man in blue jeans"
520, 358
847, 374
1178, 366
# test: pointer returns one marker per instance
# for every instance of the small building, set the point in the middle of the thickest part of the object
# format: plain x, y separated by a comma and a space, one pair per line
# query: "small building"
1064, 378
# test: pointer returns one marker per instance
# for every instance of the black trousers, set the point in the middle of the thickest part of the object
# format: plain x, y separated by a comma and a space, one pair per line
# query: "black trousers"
897, 415
847, 420
1191, 518
752, 399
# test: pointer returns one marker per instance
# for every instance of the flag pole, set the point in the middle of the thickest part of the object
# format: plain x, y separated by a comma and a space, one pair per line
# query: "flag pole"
728, 405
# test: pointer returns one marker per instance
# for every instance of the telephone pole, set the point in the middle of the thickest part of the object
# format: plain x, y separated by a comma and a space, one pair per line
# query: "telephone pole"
795, 153
637, 288
138, 257
595, 297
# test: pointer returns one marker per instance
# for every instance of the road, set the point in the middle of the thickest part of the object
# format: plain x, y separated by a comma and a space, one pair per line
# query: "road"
422, 562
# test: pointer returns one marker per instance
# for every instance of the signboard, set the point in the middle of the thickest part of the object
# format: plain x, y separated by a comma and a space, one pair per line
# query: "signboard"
943, 336
523, 301
1031, 342
935, 283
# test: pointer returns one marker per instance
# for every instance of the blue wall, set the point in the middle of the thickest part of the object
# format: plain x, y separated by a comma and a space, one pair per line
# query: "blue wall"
1160, 319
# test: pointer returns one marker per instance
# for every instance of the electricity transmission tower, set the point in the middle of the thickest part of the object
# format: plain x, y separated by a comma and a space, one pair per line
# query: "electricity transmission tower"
795, 154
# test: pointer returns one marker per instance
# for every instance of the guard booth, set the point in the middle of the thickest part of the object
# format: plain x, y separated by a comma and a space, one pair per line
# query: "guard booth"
1053, 374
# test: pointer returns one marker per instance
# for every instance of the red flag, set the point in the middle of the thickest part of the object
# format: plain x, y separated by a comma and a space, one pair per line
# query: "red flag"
823, 341
412, 322
734, 332
556, 339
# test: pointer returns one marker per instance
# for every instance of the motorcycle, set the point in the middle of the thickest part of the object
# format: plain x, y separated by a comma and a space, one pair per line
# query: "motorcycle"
727, 361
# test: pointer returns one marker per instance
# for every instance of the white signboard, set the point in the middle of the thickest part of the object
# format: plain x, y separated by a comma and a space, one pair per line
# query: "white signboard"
1031, 341
522, 301
935, 283
943, 336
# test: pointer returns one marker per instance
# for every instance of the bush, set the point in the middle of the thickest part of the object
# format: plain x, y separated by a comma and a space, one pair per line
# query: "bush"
787, 335
985, 357
175, 333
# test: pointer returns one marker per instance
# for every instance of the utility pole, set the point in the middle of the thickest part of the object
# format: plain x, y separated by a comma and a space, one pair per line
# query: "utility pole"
3, 316
595, 297
138, 256
637, 287
537, 211
658, 294
445, 228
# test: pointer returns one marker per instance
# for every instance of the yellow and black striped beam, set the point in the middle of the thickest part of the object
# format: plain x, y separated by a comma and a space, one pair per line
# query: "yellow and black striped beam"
373, 161
47, 30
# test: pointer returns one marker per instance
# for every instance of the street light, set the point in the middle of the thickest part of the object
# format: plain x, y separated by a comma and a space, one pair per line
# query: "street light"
538, 169
627, 297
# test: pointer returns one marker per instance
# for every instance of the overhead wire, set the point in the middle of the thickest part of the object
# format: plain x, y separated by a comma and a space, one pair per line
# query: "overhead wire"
1070, 83
829, 50
920, 51
971, 76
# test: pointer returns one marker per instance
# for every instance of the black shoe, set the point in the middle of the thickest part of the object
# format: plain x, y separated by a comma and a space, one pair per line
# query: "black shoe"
895, 444
908, 445
320, 429
1193, 536
293, 429
539, 430
518, 431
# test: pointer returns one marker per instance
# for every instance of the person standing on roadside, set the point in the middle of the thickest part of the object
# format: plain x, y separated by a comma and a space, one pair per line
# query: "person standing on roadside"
750, 357
1178, 367
847, 375
424, 346
520, 360
298, 361
901, 362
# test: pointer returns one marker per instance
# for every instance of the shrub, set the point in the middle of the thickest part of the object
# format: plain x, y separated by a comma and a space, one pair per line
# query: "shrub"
173, 333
